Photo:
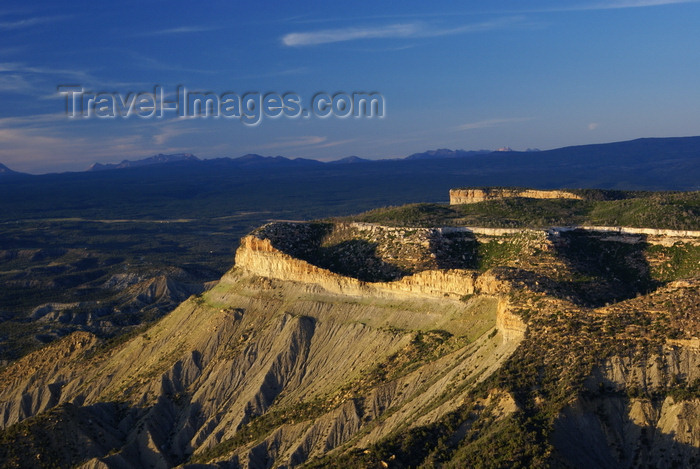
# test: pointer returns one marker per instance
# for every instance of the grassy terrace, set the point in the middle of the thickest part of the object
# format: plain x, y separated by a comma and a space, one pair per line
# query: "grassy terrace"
667, 210
70, 260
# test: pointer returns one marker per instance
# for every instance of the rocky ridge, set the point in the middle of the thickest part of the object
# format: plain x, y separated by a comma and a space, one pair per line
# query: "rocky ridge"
472, 196
288, 361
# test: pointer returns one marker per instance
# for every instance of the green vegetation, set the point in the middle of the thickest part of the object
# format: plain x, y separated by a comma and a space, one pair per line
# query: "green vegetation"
585, 298
546, 373
499, 252
674, 210
614, 304
667, 210
39, 442
680, 392
415, 215
674, 262
66, 249
260, 426
424, 347
487, 443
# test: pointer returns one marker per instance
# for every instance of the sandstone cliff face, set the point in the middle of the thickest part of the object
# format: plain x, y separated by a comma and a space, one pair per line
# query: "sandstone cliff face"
258, 256
511, 326
615, 431
371, 252
649, 374
275, 332
283, 361
627, 420
472, 196
254, 345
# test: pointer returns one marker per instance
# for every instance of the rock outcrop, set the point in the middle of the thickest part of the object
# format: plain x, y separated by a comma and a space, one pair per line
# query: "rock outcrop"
472, 196
626, 420
259, 257
285, 361
275, 332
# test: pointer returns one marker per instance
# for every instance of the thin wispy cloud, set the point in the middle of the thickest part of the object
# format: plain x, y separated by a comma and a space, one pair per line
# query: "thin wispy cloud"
295, 18
16, 67
335, 143
33, 120
610, 5
483, 124
11, 25
17, 77
178, 30
295, 142
32, 150
397, 16
349, 34
308, 143
42, 142
406, 16
15, 83
165, 131
391, 31
638, 3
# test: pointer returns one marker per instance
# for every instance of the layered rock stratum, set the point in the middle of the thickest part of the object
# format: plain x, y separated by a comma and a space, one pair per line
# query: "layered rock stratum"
472, 196
358, 345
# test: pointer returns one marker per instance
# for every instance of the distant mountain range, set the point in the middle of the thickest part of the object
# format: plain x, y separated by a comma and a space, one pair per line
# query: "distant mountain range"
630, 164
152, 160
445, 153
350, 160
5, 171
255, 160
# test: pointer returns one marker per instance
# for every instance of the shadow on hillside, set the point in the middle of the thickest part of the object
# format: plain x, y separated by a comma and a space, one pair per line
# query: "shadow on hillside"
359, 259
66, 435
455, 250
595, 433
604, 271
355, 258
301, 240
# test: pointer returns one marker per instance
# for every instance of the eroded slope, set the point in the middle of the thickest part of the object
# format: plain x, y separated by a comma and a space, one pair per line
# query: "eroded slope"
280, 360
525, 340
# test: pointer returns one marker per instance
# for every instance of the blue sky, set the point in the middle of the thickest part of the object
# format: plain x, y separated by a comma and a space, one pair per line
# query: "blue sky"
470, 75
